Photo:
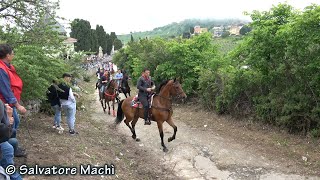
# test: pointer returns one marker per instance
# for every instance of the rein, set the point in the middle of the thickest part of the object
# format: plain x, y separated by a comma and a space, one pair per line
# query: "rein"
111, 95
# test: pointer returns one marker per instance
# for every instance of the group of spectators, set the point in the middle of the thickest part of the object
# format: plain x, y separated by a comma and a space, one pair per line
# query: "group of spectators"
60, 96
10, 93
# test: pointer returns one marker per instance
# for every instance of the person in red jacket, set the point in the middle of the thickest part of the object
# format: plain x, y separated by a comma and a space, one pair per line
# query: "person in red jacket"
11, 84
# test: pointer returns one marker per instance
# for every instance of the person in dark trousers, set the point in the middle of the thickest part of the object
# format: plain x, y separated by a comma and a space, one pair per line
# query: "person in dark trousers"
144, 85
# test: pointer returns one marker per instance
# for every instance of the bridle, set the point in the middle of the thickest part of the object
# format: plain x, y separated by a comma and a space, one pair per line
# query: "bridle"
113, 89
168, 99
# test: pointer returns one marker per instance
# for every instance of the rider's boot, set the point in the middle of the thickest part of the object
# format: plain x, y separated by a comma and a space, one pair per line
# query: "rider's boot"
146, 114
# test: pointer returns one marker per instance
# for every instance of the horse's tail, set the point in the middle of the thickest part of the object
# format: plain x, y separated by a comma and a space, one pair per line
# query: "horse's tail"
120, 114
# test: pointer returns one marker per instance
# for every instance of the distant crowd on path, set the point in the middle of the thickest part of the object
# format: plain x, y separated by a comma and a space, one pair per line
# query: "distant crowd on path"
93, 62
106, 75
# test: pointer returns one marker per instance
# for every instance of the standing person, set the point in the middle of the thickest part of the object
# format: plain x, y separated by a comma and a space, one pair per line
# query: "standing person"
11, 86
10, 83
144, 85
54, 100
68, 102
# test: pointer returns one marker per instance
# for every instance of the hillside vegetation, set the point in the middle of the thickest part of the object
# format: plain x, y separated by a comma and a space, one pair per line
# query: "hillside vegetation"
272, 74
177, 29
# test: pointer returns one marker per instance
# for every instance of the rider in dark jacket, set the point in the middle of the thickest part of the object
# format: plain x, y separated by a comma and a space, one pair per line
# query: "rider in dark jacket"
145, 89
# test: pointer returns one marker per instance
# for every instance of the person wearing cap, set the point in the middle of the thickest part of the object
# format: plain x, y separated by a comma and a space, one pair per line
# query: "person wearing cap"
68, 102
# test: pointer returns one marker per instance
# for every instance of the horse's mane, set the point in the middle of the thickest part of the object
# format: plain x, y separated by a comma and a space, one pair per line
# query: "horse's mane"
109, 84
162, 85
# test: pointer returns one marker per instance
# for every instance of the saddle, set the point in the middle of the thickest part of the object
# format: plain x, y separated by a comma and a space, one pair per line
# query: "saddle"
135, 103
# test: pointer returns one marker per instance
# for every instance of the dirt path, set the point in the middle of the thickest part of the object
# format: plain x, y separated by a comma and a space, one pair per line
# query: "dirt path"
202, 154
207, 147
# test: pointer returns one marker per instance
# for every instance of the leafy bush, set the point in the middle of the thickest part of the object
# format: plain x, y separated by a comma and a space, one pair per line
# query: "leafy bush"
86, 78
273, 74
37, 69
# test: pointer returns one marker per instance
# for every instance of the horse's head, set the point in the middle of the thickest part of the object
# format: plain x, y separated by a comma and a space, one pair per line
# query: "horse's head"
176, 89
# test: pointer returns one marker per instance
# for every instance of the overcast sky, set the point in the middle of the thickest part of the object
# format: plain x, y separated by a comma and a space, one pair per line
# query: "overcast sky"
123, 16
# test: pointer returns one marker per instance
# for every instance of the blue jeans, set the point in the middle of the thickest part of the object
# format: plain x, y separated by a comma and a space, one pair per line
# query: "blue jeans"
57, 114
14, 143
7, 159
102, 88
16, 118
70, 111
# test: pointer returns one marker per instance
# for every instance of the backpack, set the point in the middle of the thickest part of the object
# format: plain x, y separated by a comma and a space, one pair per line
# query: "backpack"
65, 94
51, 94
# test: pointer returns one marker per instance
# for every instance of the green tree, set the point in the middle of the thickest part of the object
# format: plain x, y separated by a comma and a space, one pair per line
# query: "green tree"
283, 58
80, 29
102, 38
113, 36
25, 14
94, 41
244, 30
191, 30
37, 70
117, 44
109, 44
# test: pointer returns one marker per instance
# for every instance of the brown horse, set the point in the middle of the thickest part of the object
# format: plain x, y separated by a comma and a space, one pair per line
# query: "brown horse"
161, 109
109, 95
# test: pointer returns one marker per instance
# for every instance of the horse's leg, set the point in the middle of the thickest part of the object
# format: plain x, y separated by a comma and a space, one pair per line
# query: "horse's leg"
127, 122
160, 127
104, 104
170, 122
108, 107
133, 124
113, 111
101, 101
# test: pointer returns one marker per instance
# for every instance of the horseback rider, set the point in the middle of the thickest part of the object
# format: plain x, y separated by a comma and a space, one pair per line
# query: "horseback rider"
99, 75
105, 79
145, 85
118, 77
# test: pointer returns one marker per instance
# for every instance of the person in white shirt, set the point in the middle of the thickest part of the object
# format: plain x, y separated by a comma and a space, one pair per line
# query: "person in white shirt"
118, 77
68, 102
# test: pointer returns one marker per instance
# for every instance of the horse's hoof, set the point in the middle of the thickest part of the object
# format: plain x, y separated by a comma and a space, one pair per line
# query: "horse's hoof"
133, 136
165, 150
138, 140
170, 139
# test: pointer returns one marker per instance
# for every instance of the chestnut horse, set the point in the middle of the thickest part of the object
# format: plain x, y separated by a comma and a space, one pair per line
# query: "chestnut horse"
161, 109
109, 95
